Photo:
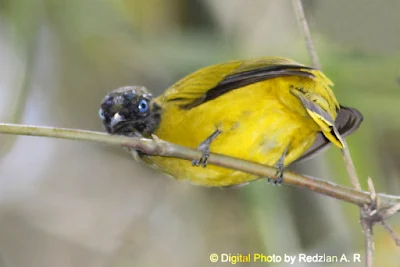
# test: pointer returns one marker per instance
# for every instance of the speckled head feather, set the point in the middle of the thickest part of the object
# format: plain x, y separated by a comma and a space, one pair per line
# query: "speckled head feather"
130, 111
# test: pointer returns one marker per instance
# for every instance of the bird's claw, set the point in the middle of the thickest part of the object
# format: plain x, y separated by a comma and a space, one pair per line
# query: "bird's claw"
279, 166
278, 180
202, 160
204, 147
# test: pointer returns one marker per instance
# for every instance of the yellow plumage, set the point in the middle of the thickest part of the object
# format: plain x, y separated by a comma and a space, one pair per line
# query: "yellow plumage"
258, 120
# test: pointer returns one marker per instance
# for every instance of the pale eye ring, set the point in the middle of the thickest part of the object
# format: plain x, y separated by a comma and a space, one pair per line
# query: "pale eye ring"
101, 113
143, 106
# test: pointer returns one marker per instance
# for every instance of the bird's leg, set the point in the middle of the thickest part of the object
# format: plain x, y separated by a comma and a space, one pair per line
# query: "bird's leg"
204, 147
279, 166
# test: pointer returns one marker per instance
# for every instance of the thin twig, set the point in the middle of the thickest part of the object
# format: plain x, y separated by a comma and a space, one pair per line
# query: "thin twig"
371, 188
373, 207
369, 214
390, 196
370, 209
316, 63
351, 169
394, 236
390, 211
368, 241
366, 223
298, 7
161, 148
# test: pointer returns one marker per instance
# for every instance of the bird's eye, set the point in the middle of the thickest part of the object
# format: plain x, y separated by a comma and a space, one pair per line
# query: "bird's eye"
143, 106
101, 113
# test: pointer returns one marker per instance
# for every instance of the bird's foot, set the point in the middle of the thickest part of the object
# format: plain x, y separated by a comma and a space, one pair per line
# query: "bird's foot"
203, 159
204, 147
279, 166
278, 178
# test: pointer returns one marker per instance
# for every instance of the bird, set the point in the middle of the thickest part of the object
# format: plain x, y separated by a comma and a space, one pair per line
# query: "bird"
269, 110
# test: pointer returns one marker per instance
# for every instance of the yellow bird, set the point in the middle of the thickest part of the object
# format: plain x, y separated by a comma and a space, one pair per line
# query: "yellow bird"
269, 110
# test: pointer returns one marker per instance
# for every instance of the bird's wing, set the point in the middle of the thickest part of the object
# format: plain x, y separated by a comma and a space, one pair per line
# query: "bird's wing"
347, 121
213, 81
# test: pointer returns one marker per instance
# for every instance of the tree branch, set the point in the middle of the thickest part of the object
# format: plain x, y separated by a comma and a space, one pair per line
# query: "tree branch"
159, 147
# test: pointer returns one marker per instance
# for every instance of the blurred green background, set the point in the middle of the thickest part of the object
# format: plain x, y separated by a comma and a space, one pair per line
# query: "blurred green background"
65, 203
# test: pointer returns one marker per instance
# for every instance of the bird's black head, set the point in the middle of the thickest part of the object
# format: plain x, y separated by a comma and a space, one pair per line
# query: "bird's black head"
130, 111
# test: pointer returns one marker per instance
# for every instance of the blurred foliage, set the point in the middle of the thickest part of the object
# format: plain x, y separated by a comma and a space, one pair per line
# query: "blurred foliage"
74, 204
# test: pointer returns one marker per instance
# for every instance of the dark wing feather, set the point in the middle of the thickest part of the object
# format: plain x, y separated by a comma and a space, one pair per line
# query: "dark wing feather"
347, 121
241, 79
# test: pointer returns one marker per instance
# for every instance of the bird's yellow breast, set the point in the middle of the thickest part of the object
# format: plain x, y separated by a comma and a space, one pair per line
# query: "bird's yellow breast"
258, 122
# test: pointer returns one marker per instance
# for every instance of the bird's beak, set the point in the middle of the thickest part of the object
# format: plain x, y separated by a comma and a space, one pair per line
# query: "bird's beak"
116, 119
